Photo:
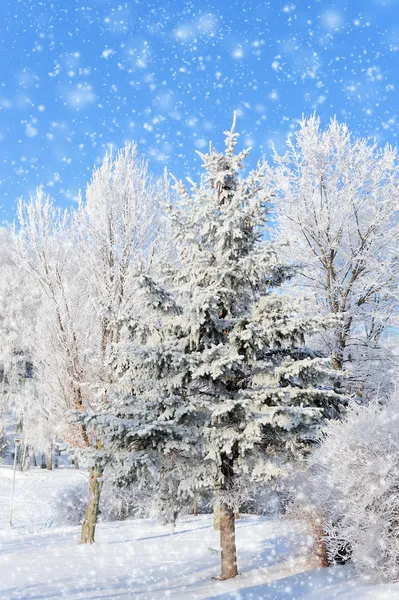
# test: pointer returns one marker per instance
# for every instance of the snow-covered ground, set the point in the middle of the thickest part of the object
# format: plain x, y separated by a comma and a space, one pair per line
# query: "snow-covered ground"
141, 559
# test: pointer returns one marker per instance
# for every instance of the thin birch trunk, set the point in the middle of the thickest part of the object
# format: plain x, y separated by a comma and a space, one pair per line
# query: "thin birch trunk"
20, 458
26, 459
50, 457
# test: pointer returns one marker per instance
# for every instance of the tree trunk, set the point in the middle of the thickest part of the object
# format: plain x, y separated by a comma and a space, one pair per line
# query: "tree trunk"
76, 462
26, 459
236, 515
216, 507
20, 458
34, 459
228, 542
50, 457
43, 465
320, 544
227, 526
318, 530
336, 361
92, 509
195, 510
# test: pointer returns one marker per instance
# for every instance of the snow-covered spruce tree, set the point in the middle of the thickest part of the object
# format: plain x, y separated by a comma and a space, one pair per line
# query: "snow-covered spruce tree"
217, 380
249, 370
149, 429
337, 203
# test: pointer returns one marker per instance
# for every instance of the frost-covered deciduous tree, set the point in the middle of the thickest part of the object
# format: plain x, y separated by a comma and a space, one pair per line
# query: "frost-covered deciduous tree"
84, 262
337, 200
44, 248
19, 303
355, 487
216, 380
119, 222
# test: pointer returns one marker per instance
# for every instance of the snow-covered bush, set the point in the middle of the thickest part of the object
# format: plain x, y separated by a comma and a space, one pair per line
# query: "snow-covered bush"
117, 503
70, 504
121, 503
262, 499
354, 487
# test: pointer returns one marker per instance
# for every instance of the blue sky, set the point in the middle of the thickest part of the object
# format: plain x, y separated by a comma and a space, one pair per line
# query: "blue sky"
79, 76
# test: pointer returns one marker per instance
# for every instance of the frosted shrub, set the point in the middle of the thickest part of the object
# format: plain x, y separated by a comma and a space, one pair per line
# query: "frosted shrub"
262, 499
121, 503
355, 486
70, 504
117, 503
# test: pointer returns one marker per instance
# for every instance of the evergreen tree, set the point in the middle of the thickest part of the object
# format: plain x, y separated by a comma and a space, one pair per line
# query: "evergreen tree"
216, 379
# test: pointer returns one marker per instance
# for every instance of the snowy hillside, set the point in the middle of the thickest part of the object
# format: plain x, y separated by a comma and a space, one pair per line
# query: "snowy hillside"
144, 560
